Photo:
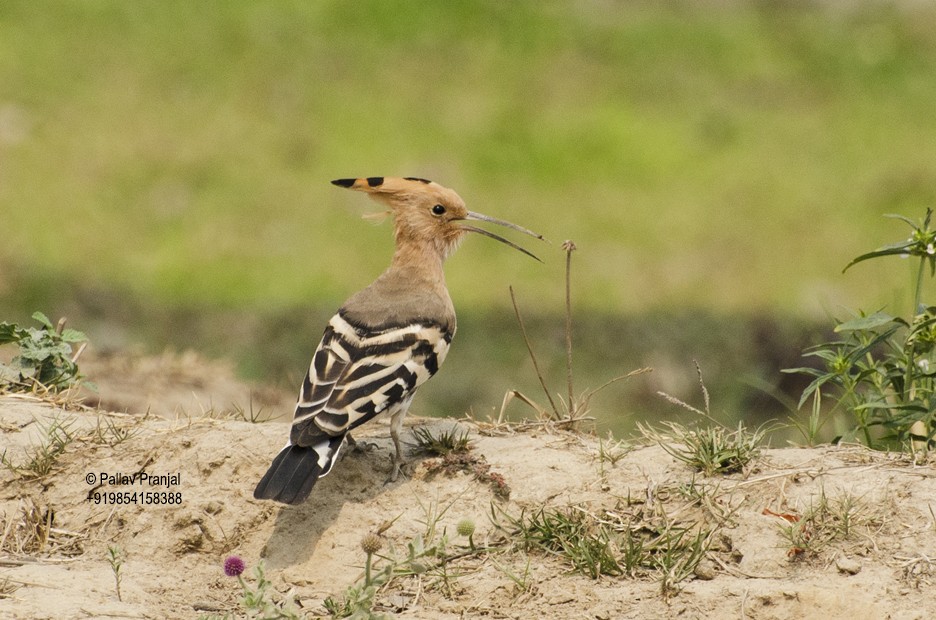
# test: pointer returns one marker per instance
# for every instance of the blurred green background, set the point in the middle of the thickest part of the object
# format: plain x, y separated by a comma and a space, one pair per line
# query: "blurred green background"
164, 171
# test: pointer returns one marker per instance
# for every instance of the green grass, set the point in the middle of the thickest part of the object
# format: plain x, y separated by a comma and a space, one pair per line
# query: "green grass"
728, 157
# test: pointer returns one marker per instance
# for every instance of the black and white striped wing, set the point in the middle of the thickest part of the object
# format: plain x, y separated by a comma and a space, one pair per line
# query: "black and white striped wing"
358, 373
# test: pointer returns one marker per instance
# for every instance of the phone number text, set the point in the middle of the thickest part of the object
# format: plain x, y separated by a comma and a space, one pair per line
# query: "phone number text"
139, 498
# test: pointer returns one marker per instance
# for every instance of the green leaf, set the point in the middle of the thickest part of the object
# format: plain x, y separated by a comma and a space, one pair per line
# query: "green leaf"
44, 320
9, 333
903, 218
887, 250
868, 322
73, 335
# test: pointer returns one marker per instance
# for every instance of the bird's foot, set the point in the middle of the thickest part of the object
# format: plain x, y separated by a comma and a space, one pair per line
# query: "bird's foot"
398, 468
359, 446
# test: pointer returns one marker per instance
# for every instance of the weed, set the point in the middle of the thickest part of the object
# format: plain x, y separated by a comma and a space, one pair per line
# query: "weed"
45, 358
466, 528
445, 443
575, 408
678, 553
55, 436
814, 422
570, 534
611, 451
115, 557
825, 520
883, 369
712, 450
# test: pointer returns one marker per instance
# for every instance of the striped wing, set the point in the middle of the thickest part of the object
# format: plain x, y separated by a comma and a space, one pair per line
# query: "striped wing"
358, 373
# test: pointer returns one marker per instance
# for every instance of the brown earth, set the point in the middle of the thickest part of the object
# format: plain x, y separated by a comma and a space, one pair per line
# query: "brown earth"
881, 563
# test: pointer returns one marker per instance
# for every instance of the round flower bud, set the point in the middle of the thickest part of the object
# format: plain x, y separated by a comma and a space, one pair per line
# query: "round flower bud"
465, 527
371, 543
233, 566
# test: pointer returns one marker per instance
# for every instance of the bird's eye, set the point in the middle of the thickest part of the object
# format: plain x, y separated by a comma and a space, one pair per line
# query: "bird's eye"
438, 210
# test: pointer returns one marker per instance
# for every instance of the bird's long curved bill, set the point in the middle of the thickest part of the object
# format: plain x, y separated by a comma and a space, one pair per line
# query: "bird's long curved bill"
486, 218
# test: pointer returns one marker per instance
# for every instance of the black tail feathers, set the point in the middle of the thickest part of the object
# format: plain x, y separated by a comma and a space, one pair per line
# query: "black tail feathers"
295, 470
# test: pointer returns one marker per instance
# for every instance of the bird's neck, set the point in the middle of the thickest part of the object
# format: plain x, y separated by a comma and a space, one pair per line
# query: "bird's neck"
418, 262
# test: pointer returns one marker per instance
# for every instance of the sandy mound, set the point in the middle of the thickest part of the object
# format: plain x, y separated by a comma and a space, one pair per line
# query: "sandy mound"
871, 553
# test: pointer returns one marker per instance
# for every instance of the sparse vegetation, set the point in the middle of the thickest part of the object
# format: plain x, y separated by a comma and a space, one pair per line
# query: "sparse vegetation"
613, 543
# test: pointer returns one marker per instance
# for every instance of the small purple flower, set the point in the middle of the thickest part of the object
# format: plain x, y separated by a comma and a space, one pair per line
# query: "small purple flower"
233, 566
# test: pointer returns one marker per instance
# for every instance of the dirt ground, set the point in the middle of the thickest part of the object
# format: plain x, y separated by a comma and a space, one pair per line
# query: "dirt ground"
876, 559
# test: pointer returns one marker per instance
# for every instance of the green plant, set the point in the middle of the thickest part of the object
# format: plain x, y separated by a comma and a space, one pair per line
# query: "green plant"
358, 601
115, 557
882, 370
575, 408
466, 528
45, 356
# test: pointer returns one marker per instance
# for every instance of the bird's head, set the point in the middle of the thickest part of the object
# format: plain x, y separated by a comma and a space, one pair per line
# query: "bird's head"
428, 213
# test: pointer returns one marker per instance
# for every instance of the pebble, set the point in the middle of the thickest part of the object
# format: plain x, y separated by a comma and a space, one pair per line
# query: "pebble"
848, 566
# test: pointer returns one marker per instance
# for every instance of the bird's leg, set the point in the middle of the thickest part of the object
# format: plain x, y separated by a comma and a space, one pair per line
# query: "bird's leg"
396, 425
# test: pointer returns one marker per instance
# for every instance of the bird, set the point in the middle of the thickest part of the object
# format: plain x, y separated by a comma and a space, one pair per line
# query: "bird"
385, 341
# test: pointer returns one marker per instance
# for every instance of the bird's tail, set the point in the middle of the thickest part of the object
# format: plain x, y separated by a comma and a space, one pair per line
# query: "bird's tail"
296, 469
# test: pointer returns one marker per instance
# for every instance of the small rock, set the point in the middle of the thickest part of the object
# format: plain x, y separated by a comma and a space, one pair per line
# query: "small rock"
848, 565
706, 570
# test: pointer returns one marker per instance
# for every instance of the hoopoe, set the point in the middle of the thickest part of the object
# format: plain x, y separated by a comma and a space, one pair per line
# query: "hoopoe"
385, 341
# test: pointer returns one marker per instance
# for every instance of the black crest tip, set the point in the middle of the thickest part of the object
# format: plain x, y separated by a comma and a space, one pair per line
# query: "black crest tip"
344, 182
